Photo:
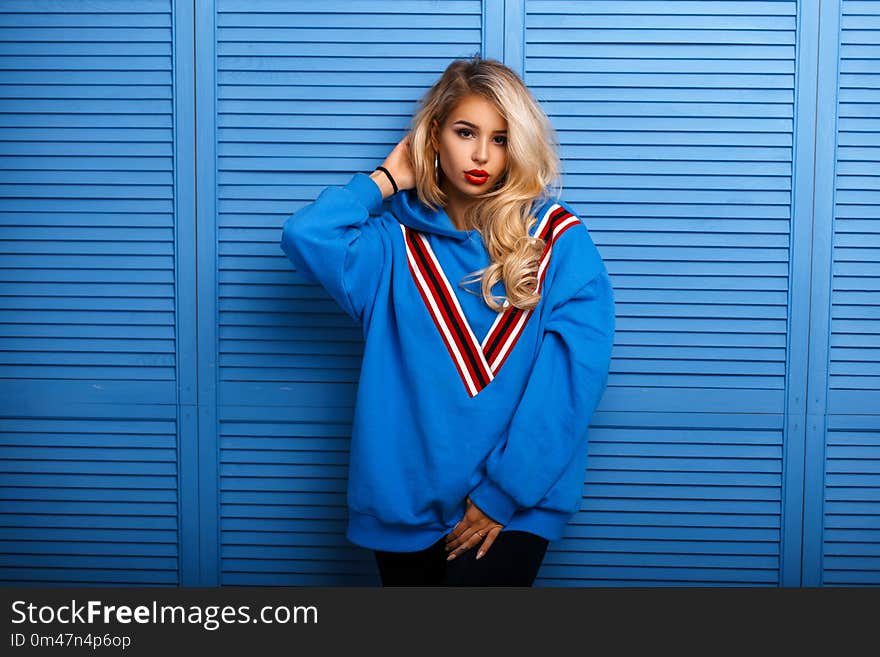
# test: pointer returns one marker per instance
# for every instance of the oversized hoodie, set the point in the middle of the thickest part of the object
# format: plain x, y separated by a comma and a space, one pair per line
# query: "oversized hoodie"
454, 399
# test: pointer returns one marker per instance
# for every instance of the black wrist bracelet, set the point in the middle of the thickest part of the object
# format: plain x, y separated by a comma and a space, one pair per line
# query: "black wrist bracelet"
387, 173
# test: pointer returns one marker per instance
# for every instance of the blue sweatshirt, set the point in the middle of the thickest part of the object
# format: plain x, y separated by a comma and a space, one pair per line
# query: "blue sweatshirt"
454, 399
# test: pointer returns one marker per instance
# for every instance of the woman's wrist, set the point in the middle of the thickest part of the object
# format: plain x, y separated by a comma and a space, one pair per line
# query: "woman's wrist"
384, 183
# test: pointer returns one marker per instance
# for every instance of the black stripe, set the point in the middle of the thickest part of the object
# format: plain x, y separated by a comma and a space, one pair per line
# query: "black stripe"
418, 249
494, 343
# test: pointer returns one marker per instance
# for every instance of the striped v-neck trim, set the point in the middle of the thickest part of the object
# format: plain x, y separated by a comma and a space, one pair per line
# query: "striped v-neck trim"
477, 362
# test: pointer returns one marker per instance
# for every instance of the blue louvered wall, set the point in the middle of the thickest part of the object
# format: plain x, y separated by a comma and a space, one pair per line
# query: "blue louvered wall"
88, 433
851, 513
677, 127
304, 98
177, 399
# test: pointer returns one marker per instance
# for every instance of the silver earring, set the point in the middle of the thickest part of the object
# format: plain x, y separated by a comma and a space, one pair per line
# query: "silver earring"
436, 167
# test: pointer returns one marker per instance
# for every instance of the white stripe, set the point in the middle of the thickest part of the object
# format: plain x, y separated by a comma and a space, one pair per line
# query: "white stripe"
474, 342
438, 315
514, 334
492, 328
537, 231
545, 262
545, 219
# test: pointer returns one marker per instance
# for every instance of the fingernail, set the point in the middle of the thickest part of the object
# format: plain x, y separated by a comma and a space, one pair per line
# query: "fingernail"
479, 554
450, 557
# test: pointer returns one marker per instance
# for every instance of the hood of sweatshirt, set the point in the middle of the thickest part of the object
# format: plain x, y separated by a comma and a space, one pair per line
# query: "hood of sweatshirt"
411, 212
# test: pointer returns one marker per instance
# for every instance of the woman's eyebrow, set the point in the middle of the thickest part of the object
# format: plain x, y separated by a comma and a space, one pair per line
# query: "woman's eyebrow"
468, 123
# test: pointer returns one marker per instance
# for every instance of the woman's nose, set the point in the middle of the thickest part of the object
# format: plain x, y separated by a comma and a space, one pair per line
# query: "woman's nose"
481, 153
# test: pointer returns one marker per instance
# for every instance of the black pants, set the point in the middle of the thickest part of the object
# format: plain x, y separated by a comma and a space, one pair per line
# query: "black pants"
512, 560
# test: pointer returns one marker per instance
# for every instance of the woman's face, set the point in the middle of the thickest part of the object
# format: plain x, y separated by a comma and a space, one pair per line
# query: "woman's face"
474, 137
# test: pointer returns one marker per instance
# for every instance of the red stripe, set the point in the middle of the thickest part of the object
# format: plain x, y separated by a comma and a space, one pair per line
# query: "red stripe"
499, 331
512, 345
504, 327
558, 216
457, 325
502, 330
439, 328
500, 335
467, 350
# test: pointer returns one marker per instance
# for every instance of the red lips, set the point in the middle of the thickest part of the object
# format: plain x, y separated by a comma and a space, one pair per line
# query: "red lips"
476, 176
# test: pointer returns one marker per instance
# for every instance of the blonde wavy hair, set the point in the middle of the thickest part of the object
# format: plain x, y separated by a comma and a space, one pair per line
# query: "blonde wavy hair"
501, 215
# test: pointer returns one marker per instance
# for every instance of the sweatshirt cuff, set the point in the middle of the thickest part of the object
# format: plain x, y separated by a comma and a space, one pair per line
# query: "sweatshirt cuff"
494, 502
366, 191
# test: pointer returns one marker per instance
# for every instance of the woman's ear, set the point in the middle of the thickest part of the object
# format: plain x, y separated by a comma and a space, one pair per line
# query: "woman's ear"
435, 144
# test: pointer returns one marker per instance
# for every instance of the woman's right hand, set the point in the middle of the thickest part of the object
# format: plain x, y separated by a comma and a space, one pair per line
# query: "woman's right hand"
399, 164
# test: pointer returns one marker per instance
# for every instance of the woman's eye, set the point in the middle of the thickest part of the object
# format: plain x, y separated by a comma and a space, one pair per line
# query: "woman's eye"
462, 132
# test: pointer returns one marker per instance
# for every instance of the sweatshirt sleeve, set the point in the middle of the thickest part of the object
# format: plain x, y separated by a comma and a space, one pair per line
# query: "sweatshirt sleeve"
550, 423
332, 243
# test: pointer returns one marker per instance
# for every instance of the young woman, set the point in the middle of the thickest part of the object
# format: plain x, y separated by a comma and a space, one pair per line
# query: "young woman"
469, 441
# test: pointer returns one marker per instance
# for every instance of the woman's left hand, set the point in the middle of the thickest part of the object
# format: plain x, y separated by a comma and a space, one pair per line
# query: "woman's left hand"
475, 527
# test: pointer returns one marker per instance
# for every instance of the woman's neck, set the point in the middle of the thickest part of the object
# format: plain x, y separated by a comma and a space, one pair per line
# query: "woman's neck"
455, 207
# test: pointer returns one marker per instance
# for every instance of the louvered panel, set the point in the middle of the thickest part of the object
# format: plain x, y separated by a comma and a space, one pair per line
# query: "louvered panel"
307, 94
854, 367
306, 97
88, 502
692, 499
676, 129
283, 502
87, 296
87, 283
851, 512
